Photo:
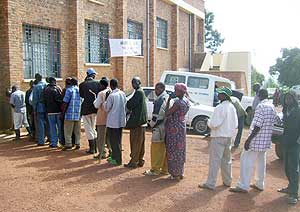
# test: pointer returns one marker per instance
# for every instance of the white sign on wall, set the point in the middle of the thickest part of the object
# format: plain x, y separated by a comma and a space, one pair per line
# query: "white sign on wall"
125, 47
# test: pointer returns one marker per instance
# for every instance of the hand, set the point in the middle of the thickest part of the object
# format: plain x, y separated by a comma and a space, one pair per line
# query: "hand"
247, 145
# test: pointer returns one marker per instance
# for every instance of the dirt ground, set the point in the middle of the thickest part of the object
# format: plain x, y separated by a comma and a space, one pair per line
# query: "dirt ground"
42, 179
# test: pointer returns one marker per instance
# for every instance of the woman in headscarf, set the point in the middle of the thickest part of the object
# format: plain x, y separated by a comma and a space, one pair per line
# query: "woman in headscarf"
176, 132
291, 145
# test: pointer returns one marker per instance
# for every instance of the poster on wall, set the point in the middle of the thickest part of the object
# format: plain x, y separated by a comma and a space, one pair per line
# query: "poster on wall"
125, 47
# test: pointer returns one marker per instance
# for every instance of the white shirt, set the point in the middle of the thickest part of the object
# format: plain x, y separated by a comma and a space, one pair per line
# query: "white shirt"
115, 106
224, 121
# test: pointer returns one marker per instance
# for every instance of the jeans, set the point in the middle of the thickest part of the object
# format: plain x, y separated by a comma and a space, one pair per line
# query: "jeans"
54, 129
241, 121
41, 119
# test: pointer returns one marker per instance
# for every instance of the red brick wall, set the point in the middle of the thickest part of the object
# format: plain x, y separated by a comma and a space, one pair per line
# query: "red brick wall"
5, 118
183, 41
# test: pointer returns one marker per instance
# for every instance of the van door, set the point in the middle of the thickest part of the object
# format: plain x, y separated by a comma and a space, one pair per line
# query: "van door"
199, 90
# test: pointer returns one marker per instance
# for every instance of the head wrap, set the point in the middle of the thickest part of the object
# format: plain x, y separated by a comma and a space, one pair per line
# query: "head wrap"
224, 90
181, 87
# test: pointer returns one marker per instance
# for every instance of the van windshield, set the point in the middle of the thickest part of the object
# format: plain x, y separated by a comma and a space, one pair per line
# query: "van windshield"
172, 79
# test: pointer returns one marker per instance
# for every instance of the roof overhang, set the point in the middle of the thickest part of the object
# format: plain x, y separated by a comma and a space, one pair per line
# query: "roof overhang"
187, 7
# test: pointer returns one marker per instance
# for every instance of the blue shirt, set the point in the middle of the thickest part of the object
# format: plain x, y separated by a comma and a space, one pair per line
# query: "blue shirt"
38, 98
72, 97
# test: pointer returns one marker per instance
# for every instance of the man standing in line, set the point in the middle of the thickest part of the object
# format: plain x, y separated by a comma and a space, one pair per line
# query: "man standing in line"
222, 124
29, 108
256, 145
157, 123
137, 124
53, 101
116, 120
88, 111
17, 101
241, 114
71, 110
39, 108
101, 117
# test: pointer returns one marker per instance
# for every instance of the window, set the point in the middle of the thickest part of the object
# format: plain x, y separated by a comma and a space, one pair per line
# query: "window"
96, 42
198, 82
172, 79
135, 31
41, 51
161, 33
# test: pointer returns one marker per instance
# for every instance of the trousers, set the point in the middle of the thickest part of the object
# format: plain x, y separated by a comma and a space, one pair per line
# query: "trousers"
219, 156
89, 123
137, 144
158, 157
249, 161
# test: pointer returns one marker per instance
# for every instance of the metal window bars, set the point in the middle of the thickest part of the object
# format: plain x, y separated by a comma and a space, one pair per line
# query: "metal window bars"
96, 42
161, 33
41, 51
135, 31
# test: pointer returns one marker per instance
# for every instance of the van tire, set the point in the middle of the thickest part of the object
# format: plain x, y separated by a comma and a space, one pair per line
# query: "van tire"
200, 125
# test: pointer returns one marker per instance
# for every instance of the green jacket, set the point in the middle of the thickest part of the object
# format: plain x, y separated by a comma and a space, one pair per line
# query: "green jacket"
137, 108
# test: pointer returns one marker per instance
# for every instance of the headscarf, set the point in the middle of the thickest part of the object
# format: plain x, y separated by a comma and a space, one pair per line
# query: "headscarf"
181, 87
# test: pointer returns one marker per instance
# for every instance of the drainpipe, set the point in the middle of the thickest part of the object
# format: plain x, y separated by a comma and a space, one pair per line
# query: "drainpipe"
148, 40
190, 42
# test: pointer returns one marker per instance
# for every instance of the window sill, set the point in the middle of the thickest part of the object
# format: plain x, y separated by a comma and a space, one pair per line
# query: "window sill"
57, 79
96, 2
98, 64
161, 48
141, 57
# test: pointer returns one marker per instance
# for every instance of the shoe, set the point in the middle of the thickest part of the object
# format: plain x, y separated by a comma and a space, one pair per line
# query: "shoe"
52, 146
141, 163
67, 148
292, 200
114, 162
130, 165
150, 173
77, 147
97, 156
283, 190
164, 172
40, 144
178, 178
109, 159
256, 187
226, 185
92, 145
238, 190
205, 186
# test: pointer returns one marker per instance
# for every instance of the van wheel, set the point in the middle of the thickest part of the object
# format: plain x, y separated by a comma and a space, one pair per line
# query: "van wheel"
200, 125
248, 119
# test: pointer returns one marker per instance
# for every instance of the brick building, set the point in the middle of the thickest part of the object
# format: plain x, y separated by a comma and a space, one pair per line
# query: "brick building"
65, 37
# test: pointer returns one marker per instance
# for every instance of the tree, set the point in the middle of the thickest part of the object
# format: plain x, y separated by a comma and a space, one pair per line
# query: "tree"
256, 77
213, 39
287, 67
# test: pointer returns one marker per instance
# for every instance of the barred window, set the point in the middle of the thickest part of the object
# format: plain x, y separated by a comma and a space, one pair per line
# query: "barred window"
161, 33
135, 31
96, 42
41, 51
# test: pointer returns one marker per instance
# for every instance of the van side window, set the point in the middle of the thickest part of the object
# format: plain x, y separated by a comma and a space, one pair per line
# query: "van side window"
198, 82
172, 79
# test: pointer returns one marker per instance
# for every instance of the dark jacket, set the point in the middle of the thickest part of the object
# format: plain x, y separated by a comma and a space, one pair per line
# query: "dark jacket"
53, 98
87, 106
291, 124
138, 109
29, 107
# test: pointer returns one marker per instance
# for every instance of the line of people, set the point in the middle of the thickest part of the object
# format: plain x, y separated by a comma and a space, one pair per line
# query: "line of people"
103, 106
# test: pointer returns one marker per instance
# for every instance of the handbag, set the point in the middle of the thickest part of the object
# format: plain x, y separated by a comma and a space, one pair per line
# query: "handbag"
277, 134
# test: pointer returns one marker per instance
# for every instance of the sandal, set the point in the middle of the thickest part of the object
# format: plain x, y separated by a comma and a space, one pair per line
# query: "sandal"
150, 173
171, 177
283, 190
